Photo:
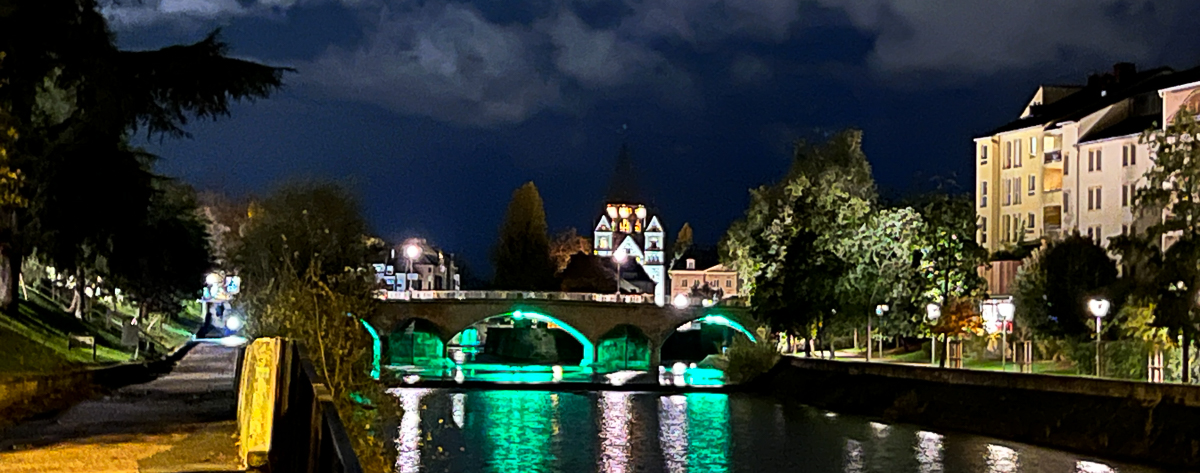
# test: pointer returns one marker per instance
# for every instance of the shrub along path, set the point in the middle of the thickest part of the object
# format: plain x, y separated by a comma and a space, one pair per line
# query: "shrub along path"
183, 421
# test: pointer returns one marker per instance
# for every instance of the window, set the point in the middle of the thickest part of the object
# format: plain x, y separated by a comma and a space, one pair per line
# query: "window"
1007, 154
1090, 235
1099, 160
691, 263
1032, 146
1017, 153
1124, 229
983, 195
1029, 223
1129, 155
1091, 161
983, 154
1008, 192
1098, 236
683, 283
603, 243
1007, 227
1032, 184
1099, 200
1094, 198
1066, 201
1016, 183
1066, 164
729, 282
1124, 196
983, 230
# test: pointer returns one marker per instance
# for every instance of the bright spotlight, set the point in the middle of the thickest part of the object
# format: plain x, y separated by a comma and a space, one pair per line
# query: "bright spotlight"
233, 323
681, 301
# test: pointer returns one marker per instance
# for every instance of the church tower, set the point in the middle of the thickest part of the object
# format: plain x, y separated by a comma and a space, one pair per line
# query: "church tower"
627, 224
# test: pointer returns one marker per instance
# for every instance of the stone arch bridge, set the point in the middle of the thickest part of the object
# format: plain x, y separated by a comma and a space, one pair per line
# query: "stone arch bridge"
586, 321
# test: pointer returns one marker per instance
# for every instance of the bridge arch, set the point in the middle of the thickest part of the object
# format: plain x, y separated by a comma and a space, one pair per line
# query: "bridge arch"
625, 346
717, 319
589, 348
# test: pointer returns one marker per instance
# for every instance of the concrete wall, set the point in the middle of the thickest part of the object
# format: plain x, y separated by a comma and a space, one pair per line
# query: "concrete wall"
1130, 421
29, 394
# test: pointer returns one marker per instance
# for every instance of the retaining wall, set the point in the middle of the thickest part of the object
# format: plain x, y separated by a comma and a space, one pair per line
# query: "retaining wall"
1130, 421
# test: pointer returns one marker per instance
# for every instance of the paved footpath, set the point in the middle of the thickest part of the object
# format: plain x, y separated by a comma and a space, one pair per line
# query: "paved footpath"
183, 421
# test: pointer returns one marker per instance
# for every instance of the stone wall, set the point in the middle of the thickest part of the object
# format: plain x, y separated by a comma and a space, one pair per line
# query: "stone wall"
1130, 421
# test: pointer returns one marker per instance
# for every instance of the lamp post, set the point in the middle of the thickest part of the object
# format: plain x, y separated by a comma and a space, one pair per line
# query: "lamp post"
1099, 308
619, 257
411, 253
932, 313
1006, 310
879, 310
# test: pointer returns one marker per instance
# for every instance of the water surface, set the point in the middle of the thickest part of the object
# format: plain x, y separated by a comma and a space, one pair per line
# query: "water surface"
552, 432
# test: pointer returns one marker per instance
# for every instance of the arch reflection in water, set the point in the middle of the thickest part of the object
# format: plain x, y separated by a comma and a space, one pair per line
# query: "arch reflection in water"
518, 436
409, 458
458, 410
929, 452
614, 431
1002, 459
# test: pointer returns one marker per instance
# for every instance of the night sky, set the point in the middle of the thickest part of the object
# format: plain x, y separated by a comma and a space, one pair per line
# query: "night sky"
435, 111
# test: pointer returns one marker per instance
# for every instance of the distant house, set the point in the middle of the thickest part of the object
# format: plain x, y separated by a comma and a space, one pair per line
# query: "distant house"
430, 270
701, 267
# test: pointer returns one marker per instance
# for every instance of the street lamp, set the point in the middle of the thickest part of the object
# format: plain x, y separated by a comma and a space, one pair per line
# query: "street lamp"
1006, 309
619, 257
681, 301
1099, 308
411, 252
932, 313
879, 310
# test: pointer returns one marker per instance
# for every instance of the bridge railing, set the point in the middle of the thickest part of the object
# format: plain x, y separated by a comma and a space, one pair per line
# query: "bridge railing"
531, 295
514, 295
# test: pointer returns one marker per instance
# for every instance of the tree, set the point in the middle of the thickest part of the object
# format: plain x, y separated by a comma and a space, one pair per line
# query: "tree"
1172, 189
522, 254
1053, 290
303, 227
683, 242
162, 262
566, 244
785, 246
73, 97
303, 259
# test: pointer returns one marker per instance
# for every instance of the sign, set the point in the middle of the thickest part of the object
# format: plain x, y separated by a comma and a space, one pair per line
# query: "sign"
129, 334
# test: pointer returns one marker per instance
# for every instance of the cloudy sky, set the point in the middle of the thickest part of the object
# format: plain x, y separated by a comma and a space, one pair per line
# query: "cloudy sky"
435, 111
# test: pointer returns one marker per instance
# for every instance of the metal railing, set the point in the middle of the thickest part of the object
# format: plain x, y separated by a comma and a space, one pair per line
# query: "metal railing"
309, 436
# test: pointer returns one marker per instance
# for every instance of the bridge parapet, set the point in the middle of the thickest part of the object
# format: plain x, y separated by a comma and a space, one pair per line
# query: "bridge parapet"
400, 296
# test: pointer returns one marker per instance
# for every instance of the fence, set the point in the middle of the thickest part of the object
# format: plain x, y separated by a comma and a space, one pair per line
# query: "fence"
286, 414
528, 295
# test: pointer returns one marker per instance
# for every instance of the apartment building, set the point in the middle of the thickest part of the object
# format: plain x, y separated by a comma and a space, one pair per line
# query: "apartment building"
1073, 160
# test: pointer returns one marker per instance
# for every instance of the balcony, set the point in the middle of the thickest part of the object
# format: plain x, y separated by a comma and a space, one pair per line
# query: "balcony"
1052, 156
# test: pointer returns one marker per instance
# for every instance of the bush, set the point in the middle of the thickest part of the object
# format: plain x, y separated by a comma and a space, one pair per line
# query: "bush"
749, 360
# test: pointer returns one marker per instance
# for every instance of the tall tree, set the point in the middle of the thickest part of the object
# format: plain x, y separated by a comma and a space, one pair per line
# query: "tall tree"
1173, 185
73, 98
683, 242
522, 254
784, 247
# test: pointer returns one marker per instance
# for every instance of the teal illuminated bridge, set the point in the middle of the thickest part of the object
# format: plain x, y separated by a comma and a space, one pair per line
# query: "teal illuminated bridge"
587, 322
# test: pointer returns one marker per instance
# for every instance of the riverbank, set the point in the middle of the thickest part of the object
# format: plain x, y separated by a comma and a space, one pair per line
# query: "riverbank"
1128, 421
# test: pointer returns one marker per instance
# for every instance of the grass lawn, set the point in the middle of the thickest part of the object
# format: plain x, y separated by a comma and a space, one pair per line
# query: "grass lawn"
33, 337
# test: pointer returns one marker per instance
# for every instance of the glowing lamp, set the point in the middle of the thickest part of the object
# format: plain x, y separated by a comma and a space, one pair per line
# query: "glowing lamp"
680, 302
1098, 307
624, 212
640, 212
412, 252
233, 323
612, 212
213, 279
678, 369
933, 312
620, 256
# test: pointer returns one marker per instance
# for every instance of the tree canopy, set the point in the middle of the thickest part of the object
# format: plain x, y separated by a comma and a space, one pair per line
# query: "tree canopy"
522, 253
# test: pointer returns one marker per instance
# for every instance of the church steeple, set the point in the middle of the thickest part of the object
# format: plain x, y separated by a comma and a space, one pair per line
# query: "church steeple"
623, 187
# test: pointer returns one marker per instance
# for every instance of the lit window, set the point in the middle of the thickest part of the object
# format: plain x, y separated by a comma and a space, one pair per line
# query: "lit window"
1032, 146
691, 263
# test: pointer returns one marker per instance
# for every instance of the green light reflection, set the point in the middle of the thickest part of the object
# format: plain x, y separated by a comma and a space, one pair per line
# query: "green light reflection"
518, 438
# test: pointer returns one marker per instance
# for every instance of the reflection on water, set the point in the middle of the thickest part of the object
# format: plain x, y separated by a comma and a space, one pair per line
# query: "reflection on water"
539, 431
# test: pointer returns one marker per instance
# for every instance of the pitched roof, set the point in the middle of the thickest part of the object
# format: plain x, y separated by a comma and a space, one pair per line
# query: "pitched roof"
705, 258
1128, 126
623, 187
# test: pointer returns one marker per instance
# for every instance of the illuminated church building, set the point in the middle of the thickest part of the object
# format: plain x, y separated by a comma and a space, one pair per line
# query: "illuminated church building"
626, 224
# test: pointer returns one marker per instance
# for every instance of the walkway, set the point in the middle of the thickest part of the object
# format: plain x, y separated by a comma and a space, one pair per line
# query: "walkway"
184, 421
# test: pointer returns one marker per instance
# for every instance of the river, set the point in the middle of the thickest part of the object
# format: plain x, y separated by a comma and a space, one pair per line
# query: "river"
551, 432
